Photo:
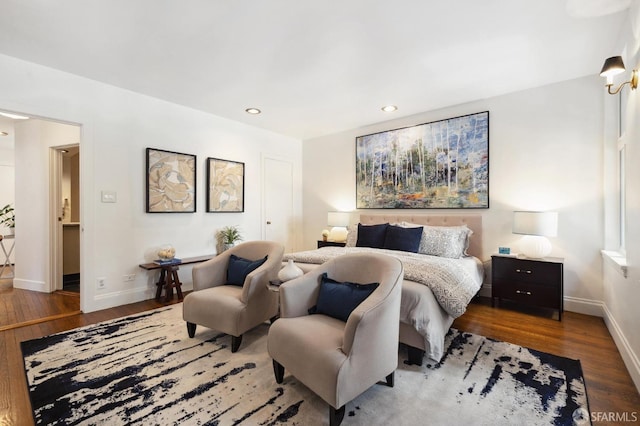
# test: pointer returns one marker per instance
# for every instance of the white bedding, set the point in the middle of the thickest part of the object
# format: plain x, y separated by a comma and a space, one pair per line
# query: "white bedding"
453, 282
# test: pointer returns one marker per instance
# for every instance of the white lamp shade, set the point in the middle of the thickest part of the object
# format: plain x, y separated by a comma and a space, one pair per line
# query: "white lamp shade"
535, 223
338, 218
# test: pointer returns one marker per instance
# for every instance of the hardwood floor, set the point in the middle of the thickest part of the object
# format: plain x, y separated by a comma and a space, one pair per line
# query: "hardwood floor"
582, 337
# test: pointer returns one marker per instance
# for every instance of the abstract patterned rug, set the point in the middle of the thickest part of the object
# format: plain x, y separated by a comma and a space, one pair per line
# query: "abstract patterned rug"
144, 369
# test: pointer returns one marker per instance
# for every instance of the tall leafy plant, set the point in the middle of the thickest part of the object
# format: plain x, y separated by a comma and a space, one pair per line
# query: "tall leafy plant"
7, 216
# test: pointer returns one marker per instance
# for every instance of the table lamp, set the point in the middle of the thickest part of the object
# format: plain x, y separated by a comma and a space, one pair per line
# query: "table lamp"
339, 222
536, 227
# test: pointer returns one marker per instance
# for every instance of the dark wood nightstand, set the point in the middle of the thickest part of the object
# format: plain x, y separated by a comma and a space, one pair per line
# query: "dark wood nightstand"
330, 244
532, 282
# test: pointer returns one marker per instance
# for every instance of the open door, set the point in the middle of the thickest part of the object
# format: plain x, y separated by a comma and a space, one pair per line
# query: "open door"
65, 201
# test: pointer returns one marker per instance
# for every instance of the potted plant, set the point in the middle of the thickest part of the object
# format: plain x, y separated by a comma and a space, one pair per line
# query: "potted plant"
8, 218
228, 236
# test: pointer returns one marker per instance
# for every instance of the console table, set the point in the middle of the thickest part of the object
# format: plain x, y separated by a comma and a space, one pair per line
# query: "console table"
169, 275
7, 254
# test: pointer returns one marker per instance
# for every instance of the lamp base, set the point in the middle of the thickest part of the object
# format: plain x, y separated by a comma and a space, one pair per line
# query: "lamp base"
338, 234
535, 246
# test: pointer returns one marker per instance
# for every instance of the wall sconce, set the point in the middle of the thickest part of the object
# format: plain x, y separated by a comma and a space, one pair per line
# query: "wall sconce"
339, 222
614, 66
536, 227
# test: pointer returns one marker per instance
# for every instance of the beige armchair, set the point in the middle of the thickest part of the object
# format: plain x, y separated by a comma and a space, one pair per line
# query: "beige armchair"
335, 359
234, 309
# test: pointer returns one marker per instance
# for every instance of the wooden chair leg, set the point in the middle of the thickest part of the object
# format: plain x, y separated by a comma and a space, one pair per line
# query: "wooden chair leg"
415, 355
191, 329
235, 343
278, 371
391, 379
336, 415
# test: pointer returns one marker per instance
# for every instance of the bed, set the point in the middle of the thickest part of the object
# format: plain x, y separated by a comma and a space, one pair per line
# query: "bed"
435, 290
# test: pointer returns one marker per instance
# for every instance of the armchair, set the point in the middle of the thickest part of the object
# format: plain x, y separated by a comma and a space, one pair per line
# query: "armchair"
233, 309
335, 359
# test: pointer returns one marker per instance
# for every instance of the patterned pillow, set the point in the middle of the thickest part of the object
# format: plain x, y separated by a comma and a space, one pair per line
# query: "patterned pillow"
352, 235
444, 241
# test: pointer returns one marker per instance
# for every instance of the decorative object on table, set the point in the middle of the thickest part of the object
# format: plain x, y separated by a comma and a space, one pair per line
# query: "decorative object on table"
167, 252
442, 164
536, 227
504, 250
171, 182
290, 271
8, 218
325, 234
225, 185
338, 222
479, 380
228, 236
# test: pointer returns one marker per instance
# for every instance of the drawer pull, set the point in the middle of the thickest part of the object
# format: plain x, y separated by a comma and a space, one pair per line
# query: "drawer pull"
523, 271
528, 293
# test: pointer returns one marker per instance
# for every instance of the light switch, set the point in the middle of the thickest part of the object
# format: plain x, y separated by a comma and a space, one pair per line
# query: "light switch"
109, 196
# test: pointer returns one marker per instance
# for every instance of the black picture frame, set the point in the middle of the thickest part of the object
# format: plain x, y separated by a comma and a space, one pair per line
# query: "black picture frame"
225, 186
170, 181
442, 164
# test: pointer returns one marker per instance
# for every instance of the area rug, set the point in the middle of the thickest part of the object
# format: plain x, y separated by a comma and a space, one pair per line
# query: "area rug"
144, 369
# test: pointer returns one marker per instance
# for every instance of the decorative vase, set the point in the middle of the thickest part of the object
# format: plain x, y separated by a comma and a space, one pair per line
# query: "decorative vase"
290, 271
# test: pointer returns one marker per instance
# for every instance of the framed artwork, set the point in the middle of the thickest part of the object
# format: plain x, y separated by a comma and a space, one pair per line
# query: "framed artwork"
439, 165
171, 182
225, 186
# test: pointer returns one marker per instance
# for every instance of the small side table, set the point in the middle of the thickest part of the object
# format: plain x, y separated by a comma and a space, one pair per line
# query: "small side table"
169, 276
7, 254
330, 244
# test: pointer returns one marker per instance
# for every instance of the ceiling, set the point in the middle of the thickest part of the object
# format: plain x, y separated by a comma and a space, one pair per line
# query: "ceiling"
315, 67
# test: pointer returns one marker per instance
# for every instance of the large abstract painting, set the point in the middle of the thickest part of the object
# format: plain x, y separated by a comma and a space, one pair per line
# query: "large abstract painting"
225, 185
171, 182
438, 165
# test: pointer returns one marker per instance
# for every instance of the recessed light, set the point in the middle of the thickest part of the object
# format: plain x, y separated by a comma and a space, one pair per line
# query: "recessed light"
64, 151
253, 111
4, 134
389, 108
14, 116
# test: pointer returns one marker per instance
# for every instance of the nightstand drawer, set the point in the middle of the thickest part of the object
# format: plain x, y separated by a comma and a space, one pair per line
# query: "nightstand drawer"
526, 271
530, 294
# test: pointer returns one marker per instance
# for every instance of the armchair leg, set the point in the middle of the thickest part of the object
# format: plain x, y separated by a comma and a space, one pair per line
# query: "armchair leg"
278, 371
336, 415
415, 356
391, 379
191, 329
235, 343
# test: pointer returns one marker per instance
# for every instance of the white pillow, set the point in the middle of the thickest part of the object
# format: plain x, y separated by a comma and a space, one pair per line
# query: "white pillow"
352, 235
443, 241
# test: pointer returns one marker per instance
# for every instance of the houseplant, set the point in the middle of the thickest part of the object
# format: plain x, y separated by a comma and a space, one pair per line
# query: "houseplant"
228, 236
8, 218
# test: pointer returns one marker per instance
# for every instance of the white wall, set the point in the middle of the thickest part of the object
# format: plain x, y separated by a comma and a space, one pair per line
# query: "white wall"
545, 154
116, 127
622, 295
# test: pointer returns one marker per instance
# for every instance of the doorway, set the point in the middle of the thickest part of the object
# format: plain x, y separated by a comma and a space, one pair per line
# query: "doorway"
278, 202
67, 180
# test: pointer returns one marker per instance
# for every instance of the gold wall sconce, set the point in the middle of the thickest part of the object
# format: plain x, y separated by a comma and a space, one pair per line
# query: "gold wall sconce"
614, 66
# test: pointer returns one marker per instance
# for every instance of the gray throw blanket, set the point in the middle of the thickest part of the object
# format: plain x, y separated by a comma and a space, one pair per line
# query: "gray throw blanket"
450, 283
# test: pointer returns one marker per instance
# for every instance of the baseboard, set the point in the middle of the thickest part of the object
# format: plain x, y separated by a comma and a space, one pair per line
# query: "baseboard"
40, 286
485, 291
629, 357
124, 297
584, 306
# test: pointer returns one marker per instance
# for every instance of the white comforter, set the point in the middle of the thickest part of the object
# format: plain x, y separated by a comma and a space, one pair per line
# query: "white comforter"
452, 284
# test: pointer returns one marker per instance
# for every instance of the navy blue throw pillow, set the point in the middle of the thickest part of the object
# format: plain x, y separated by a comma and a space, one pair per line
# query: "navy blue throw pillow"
404, 239
239, 268
338, 300
371, 235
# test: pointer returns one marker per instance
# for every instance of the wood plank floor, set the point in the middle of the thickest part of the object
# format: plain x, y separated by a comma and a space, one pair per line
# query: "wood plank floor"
609, 385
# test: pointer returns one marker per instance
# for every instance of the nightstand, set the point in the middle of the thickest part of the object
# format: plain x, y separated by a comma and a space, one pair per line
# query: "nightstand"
531, 282
330, 244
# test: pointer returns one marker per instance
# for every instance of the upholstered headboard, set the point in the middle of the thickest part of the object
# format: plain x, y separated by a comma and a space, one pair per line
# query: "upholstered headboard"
474, 222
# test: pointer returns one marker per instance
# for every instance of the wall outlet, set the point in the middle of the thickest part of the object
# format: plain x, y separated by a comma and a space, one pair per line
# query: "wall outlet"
101, 283
128, 277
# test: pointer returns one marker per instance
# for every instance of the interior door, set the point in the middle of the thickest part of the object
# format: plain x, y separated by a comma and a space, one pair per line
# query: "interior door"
278, 202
